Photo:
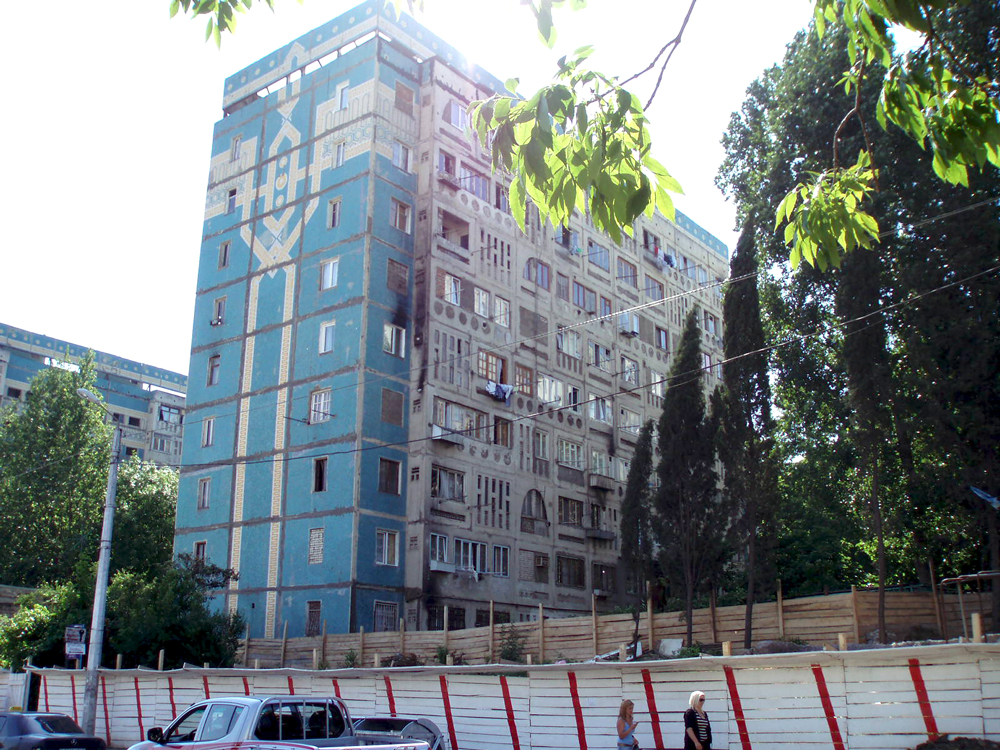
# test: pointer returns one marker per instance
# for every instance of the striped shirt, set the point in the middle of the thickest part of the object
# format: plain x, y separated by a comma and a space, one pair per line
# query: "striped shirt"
702, 720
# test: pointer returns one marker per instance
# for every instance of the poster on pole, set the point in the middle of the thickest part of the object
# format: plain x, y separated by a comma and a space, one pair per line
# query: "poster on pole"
76, 641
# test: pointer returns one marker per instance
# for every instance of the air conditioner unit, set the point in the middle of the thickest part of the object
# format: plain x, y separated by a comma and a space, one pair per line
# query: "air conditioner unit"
541, 561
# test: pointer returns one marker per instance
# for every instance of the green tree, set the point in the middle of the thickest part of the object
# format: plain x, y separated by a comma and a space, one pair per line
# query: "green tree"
52, 478
144, 517
691, 519
745, 437
637, 518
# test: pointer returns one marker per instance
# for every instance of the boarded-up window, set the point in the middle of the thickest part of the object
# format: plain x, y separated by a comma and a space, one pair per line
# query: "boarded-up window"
397, 277
315, 546
404, 98
392, 407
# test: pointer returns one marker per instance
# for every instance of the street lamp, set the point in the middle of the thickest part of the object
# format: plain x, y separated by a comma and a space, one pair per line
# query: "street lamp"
101, 587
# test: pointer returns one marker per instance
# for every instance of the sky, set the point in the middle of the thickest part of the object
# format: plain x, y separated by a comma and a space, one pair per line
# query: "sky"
110, 110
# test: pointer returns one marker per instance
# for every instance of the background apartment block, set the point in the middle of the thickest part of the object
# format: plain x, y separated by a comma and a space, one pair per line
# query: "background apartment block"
146, 402
364, 303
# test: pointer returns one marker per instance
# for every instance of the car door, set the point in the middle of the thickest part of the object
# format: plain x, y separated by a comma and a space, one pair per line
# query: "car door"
185, 729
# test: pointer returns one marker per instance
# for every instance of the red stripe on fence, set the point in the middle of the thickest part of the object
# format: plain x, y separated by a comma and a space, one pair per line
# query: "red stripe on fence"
336, 687
173, 706
291, 686
72, 690
654, 716
447, 712
107, 719
734, 697
575, 695
924, 700
246, 686
388, 692
831, 717
45, 689
510, 712
138, 708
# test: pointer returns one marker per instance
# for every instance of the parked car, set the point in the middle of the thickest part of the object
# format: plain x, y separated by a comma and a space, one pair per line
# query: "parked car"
33, 730
271, 723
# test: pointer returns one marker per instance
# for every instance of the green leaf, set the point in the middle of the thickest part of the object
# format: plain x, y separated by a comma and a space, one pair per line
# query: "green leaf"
174, 7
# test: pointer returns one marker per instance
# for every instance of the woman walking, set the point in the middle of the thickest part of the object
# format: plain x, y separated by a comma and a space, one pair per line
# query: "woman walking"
626, 727
697, 730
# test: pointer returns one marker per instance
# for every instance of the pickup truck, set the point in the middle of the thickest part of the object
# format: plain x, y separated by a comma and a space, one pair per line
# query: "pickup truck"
268, 723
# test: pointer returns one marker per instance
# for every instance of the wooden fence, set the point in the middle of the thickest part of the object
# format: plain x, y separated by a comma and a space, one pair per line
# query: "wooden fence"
889, 699
816, 620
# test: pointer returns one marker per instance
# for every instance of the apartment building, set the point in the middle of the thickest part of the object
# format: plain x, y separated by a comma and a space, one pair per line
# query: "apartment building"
146, 402
405, 403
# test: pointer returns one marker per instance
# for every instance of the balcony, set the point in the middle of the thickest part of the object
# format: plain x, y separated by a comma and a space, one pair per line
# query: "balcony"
601, 534
600, 481
446, 436
442, 567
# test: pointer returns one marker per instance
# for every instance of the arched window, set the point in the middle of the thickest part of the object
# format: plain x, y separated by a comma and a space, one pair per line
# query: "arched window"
533, 519
538, 272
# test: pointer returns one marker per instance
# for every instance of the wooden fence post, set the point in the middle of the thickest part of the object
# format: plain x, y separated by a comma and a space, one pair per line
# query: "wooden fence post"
727, 648
711, 613
977, 627
284, 643
492, 640
163, 655
315, 658
541, 634
323, 655
378, 660
593, 621
246, 646
842, 641
446, 628
781, 613
402, 635
361, 646
854, 614
942, 623
118, 661
650, 624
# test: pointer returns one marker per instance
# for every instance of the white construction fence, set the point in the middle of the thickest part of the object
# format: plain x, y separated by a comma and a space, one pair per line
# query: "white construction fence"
886, 699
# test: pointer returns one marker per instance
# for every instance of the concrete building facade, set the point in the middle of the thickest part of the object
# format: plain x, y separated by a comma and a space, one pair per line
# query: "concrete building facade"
402, 401
146, 402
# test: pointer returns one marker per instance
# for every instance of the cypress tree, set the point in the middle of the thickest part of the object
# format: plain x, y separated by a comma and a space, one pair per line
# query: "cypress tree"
637, 531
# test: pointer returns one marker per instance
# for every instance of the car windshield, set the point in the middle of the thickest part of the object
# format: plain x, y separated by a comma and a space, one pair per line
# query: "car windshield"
53, 724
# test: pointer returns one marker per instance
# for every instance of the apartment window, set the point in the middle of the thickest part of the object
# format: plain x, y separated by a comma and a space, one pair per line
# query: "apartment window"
461, 419
624, 466
654, 288
224, 249
475, 182
326, 337
600, 409
649, 240
455, 114
706, 362
168, 414
134, 422
605, 307
447, 484
208, 432
397, 276
392, 407
401, 156
439, 548
599, 256
314, 620
541, 445
200, 551
492, 366
160, 444
524, 380
204, 492
316, 546
329, 270
628, 421
386, 544
568, 342
501, 561
584, 297
502, 433
482, 302
549, 390
471, 555
343, 95
570, 511
231, 201
319, 406
234, 149
340, 154
627, 273
570, 454
214, 364
604, 577
657, 385
399, 216
599, 462
333, 213
219, 311
538, 272
629, 372
570, 572
447, 163
600, 356
502, 201
710, 324
662, 339
388, 476
452, 289
628, 322
562, 286
394, 340
404, 98
501, 312
386, 617
573, 397
319, 474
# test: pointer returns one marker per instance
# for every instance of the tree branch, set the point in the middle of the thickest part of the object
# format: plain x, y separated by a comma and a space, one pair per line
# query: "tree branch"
672, 46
